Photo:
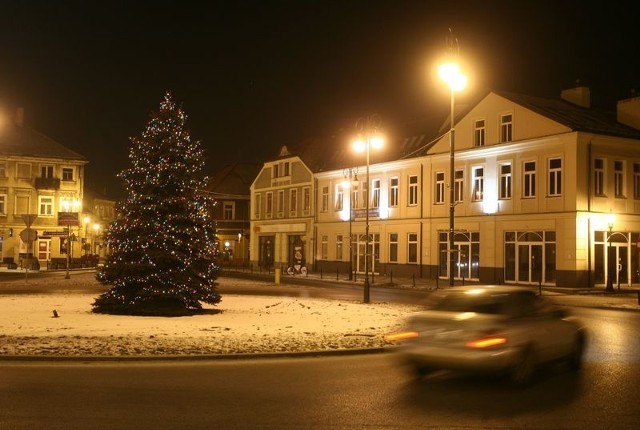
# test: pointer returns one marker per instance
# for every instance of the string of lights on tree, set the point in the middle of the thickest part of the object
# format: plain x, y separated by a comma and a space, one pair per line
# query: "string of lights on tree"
163, 255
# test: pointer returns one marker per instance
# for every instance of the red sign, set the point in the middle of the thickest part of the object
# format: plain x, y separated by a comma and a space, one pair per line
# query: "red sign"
68, 218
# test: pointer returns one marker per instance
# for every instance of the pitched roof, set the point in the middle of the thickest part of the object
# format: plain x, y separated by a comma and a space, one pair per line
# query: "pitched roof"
234, 180
26, 142
588, 120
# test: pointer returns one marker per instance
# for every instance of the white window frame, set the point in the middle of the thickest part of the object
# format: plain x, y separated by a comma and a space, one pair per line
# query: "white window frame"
45, 206
413, 190
306, 201
66, 172
280, 204
268, 212
479, 130
394, 191
257, 206
375, 193
3, 204
477, 193
599, 175
506, 181
228, 208
506, 127
439, 192
325, 199
339, 247
458, 188
529, 179
619, 169
555, 177
293, 202
324, 247
3, 169
339, 197
412, 244
393, 247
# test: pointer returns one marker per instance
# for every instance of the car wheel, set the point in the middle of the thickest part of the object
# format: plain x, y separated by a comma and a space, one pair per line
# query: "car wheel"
577, 352
524, 369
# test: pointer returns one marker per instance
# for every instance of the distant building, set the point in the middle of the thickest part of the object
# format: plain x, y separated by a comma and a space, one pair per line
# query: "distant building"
99, 212
41, 183
546, 191
230, 190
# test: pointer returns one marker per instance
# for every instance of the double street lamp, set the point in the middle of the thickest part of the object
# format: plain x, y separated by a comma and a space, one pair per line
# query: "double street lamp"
456, 80
368, 130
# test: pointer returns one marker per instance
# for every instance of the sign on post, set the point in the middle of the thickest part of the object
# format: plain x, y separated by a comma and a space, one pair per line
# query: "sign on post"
68, 218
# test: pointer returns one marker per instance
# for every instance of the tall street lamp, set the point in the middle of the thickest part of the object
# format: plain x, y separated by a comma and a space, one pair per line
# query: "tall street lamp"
456, 80
368, 129
610, 267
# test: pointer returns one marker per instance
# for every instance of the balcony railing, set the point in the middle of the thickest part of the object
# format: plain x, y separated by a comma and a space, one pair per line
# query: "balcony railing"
47, 183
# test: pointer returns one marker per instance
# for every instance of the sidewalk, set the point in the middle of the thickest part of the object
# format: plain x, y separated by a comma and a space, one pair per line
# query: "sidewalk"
627, 298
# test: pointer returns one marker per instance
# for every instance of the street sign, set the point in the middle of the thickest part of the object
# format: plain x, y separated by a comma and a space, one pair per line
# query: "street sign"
49, 233
28, 235
68, 218
29, 219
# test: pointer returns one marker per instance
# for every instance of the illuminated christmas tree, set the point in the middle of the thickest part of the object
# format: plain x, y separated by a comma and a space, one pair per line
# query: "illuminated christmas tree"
163, 255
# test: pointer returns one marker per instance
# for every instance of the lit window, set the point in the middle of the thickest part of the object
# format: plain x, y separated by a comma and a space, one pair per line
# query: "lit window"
506, 128
478, 134
439, 193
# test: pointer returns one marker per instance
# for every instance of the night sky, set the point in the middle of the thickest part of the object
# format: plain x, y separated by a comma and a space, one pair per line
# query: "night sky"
255, 75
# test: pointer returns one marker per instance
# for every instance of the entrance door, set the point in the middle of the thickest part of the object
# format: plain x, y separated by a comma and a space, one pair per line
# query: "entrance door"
44, 250
619, 263
530, 263
360, 255
463, 258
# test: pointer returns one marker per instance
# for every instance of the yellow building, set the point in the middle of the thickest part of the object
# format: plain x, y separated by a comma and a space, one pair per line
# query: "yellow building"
546, 191
40, 179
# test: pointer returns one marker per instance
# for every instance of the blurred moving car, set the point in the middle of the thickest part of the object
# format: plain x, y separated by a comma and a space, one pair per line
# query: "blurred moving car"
491, 329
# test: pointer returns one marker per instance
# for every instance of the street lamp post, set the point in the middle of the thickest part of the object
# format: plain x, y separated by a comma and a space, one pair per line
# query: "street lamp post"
609, 287
368, 128
456, 80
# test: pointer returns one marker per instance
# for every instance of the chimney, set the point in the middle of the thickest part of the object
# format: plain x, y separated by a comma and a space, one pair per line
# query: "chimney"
628, 111
579, 95
20, 116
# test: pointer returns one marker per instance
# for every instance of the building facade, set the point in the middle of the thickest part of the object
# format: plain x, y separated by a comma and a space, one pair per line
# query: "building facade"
546, 192
41, 193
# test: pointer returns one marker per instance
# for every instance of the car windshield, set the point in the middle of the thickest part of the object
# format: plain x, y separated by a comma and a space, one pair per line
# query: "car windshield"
481, 303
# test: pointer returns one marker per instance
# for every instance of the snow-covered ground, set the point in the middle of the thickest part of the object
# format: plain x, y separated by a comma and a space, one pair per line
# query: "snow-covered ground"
238, 324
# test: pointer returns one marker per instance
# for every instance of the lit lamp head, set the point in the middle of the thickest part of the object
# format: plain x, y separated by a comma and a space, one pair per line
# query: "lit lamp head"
451, 74
611, 219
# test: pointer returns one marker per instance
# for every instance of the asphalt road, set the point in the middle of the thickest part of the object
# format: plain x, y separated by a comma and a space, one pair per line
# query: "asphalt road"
342, 392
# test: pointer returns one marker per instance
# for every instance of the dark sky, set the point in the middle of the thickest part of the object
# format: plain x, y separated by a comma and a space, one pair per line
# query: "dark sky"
254, 75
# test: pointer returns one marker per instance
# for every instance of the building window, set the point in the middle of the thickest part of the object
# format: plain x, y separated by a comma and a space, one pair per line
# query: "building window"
393, 247
3, 204
439, 192
228, 210
618, 178
412, 250
413, 190
478, 183
394, 192
23, 170
306, 200
325, 199
478, 133
598, 177
280, 204
355, 191
257, 206
458, 186
281, 169
339, 198
375, 195
293, 202
339, 241
505, 181
46, 171
324, 249
3, 170
45, 205
506, 128
555, 177
67, 174
529, 179
269, 209
636, 181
